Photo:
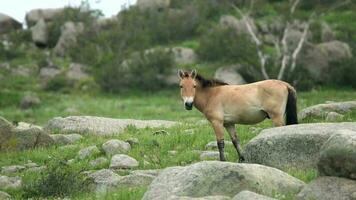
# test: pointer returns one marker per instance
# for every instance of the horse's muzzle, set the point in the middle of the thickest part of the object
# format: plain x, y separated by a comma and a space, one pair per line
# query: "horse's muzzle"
188, 105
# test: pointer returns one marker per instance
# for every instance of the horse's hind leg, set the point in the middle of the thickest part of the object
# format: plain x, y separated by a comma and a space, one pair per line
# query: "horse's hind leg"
277, 119
219, 133
235, 140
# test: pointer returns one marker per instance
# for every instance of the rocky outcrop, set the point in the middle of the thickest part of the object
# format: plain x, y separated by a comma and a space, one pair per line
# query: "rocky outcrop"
322, 110
10, 182
295, 146
40, 33
153, 4
8, 24
69, 33
100, 125
35, 15
211, 178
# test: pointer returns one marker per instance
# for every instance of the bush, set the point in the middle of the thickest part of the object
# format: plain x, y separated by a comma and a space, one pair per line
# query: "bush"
144, 70
58, 180
342, 73
225, 45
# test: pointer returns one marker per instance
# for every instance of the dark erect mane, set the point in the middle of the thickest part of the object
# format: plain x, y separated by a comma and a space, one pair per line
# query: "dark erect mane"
209, 82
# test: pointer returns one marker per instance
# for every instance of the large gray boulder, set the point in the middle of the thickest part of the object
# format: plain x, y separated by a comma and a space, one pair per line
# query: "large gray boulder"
35, 15
322, 110
228, 21
8, 24
211, 178
100, 125
153, 4
7, 182
40, 33
329, 188
114, 146
338, 155
247, 195
14, 138
122, 161
69, 33
65, 139
105, 178
294, 146
229, 75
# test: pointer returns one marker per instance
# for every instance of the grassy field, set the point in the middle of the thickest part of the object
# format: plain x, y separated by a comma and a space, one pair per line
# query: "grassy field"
192, 134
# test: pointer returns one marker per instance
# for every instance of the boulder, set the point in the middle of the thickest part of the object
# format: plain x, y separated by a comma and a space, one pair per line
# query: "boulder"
10, 182
30, 100
122, 161
105, 178
294, 146
334, 117
21, 70
88, 152
69, 33
24, 126
4, 196
327, 34
322, 110
115, 146
8, 24
137, 180
61, 139
247, 195
183, 55
76, 72
40, 33
12, 169
228, 21
132, 141
153, 4
98, 162
100, 125
338, 155
211, 178
329, 188
35, 15
229, 75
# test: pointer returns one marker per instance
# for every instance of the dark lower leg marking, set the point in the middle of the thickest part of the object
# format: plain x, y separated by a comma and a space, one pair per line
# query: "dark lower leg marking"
221, 145
238, 148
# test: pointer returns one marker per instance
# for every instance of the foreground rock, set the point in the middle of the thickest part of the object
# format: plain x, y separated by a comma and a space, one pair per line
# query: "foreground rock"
100, 125
122, 161
4, 195
8, 24
338, 155
295, 146
322, 110
115, 146
211, 178
329, 188
21, 138
10, 182
247, 195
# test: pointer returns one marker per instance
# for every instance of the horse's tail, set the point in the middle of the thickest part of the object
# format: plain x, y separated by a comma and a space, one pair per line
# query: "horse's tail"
291, 107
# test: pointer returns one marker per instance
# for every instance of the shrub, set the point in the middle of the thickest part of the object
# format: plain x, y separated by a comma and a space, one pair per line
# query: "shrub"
58, 180
144, 70
342, 73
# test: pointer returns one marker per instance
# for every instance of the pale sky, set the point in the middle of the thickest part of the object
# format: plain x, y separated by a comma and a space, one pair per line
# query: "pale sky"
18, 8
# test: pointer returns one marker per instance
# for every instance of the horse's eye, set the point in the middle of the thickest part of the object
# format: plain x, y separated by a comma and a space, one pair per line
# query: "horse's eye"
181, 86
194, 86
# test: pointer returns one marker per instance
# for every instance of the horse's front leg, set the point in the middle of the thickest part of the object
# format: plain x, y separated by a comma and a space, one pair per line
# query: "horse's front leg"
219, 133
235, 140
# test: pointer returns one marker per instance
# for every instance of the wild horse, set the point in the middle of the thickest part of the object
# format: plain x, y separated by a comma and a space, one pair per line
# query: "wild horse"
226, 105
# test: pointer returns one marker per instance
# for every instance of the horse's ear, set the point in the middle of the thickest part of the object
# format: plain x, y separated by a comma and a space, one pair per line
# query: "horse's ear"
193, 74
180, 73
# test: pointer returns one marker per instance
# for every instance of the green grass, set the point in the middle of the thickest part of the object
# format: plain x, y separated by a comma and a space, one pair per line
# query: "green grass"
192, 134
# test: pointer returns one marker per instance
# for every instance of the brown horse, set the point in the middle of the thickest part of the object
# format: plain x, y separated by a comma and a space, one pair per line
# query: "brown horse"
226, 105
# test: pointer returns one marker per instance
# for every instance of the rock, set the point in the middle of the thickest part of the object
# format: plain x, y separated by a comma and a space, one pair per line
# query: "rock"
327, 34
329, 188
24, 126
105, 178
228, 21
213, 145
76, 72
40, 33
153, 4
100, 125
60, 139
334, 117
247, 195
8, 24
21, 70
137, 180
317, 59
69, 33
30, 100
98, 162
13, 138
10, 182
210, 155
321, 110
122, 161
47, 73
295, 146
338, 155
4, 196
229, 75
115, 146
74, 137
132, 141
12, 169
199, 198
183, 55
200, 179
88, 152
35, 15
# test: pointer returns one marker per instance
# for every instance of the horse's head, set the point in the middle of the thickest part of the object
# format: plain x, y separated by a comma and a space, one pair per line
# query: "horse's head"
188, 86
